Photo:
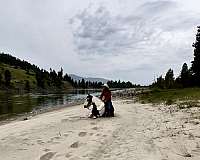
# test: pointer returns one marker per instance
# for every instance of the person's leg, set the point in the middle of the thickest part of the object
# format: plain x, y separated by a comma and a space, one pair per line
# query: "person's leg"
106, 109
111, 109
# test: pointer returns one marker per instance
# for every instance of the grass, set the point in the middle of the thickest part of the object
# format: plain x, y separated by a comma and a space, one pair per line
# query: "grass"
171, 96
19, 76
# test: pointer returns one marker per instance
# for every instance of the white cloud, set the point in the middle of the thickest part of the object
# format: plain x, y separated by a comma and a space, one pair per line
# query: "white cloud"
154, 37
119, 39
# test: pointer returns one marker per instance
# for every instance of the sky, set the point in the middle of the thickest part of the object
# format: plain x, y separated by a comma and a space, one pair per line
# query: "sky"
135, 40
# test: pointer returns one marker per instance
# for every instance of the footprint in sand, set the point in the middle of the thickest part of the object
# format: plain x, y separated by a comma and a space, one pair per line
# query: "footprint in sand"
95, 128
82, 134
92, 123
64, 120
91, 134
46, 150
75, 145
68, 155
66, 135
74, 158
107, 156
25, 139
57, 138
22, 149
40, 142
47, 156
52, 141
98, 134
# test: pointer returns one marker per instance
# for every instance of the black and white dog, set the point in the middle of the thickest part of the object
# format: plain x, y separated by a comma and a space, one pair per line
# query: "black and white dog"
95, 106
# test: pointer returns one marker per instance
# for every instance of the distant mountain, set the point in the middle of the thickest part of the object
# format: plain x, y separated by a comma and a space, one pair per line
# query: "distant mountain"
92, 79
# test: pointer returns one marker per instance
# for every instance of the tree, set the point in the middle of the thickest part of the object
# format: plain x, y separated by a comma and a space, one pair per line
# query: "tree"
1, 79
160, 82
7, 76
185, 76
27, 85
60, 74
40, 80
196, 62
169, 79
82, 84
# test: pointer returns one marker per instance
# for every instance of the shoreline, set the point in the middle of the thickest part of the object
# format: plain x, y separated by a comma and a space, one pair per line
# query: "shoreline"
29, 115
117, 94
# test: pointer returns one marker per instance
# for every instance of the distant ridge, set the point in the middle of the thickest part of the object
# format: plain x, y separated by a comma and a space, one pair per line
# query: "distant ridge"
91, 79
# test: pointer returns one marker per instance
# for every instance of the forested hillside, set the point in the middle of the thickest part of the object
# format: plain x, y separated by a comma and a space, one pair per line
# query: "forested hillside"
21, 75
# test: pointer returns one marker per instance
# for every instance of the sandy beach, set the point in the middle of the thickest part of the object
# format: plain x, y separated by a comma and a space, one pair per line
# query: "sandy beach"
138, 132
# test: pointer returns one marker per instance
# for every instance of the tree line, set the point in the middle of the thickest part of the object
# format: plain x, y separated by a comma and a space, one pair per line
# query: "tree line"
189, 77
88, 84
48, 79
44, 79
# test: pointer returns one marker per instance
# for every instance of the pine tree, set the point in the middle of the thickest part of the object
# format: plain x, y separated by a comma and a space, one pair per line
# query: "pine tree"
40, 80
82, 85
196, 62
60, 74
7, 76
1, 79
27, 86
169, 79
185, 76
160, 82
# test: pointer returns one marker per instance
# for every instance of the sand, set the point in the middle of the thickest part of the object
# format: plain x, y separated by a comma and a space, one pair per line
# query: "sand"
138, 132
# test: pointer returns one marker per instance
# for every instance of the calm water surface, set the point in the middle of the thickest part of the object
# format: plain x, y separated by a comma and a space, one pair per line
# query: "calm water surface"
18, 104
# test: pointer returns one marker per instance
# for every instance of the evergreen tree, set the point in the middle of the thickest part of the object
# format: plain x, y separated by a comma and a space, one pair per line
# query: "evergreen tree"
185, 76
160, 82
169, 79
7, 76
60, 74
196, 62
40, 80
82, 84
1, 79
27, 85
75, 84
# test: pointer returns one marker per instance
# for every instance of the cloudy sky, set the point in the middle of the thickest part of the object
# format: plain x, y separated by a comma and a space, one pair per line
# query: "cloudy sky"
134, 40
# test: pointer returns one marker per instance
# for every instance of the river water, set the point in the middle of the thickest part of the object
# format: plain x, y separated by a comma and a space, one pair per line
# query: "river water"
19, 104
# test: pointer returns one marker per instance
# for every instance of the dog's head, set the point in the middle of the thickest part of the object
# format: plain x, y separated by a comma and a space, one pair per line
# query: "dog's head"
88, 101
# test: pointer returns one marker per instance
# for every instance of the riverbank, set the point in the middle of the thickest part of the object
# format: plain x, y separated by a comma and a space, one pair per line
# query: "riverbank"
138, 131
15, 106
29, 115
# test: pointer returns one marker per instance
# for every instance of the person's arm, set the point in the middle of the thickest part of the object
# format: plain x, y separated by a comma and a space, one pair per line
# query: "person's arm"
102, 97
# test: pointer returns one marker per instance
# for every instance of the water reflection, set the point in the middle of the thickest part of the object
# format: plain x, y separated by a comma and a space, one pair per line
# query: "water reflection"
12, 104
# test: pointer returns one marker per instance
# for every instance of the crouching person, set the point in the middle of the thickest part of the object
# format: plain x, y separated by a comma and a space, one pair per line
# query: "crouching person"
106, 98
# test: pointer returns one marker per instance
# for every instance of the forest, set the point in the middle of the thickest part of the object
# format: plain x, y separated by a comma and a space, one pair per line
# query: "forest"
189, 77
21, 75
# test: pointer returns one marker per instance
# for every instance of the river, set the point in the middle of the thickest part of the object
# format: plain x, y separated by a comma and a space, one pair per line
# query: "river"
12, 104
